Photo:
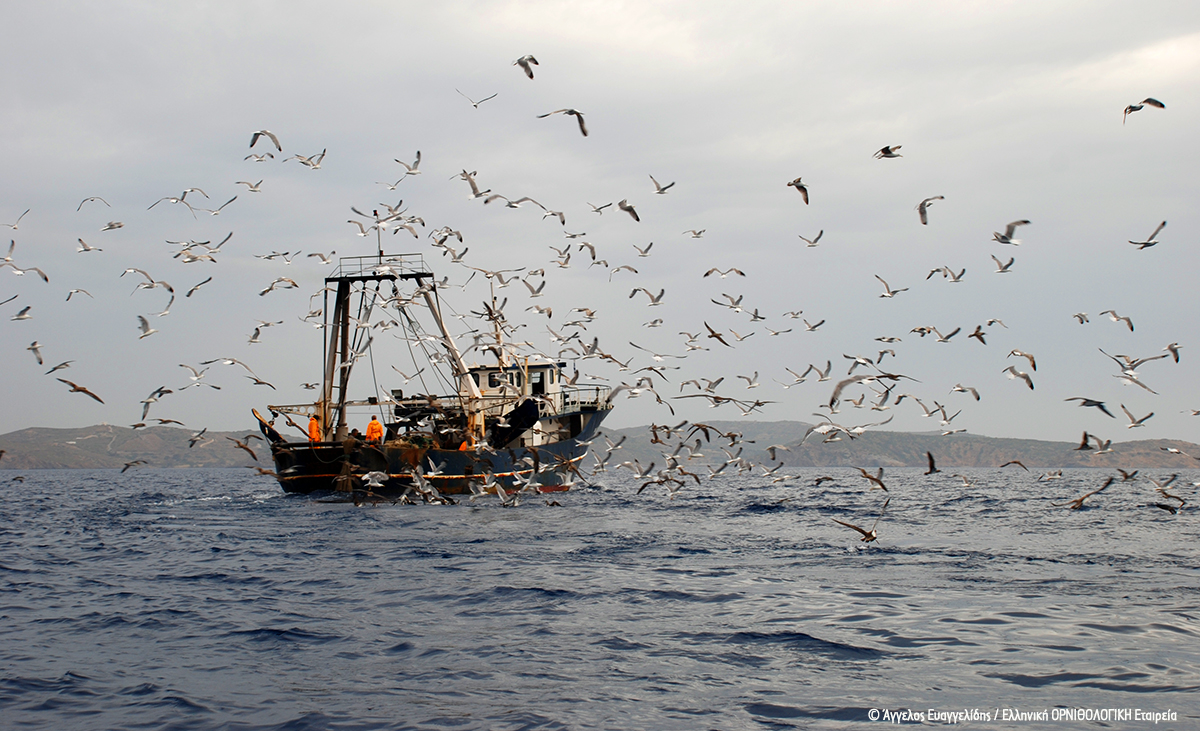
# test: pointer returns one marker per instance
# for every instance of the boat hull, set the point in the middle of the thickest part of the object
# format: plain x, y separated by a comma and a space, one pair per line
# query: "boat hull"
304, 467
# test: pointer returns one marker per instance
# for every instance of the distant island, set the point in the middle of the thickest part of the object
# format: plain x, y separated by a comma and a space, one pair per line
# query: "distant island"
877, 448
108, 446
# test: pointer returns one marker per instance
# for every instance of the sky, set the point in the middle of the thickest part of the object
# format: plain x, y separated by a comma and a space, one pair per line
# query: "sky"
1010, 111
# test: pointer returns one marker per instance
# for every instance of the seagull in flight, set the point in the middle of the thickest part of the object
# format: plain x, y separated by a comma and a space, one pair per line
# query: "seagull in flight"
525, 62
1112, 315
145, 327
726, 272
1150, 241
582, 127
76, 388
887, 290
923, 206
624, 205
888, 152
13, 226
801, 188
1097, 404
813, 241
1014, 373
476, 103
414, 169
653, 299
1027, 356
876, 480
269, 135
1133, 421
90, 199
1007, 236
1141, 105
660, 189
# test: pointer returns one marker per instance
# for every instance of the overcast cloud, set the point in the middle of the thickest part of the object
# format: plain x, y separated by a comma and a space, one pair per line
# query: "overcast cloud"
1008, 110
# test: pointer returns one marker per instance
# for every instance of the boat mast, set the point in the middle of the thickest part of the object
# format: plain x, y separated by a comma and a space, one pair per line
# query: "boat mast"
339, 347
467, 388
338, 358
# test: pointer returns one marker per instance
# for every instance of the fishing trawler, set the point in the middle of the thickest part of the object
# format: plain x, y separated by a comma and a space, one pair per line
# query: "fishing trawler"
519, 423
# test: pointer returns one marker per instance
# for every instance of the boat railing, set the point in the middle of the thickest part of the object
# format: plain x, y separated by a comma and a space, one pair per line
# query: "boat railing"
585, 398
568, 400
398, 265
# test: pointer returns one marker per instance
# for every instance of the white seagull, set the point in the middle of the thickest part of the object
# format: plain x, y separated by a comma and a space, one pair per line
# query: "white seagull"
269, 135
1007, 236
582, 127
525, 62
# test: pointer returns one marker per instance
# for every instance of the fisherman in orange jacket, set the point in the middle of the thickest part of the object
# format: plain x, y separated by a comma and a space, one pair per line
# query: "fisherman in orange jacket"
374, 431
314, 429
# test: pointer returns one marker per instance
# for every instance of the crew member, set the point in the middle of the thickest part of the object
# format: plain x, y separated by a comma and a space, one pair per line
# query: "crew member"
374, 431
314, 429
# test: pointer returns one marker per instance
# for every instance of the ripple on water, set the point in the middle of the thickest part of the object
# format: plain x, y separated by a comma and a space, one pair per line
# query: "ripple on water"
737, 605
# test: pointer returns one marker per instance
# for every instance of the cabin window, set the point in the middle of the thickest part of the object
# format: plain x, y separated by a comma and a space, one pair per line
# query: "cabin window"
494, 379
537, 382
475, 377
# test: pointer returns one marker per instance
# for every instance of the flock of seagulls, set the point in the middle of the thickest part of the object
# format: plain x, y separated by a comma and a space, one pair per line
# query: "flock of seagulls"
870, 384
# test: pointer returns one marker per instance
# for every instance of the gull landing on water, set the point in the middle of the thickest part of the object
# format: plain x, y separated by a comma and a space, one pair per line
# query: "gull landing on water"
867, 535
1077, 503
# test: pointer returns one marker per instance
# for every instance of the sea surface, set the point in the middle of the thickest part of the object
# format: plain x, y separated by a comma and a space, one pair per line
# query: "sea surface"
206, 599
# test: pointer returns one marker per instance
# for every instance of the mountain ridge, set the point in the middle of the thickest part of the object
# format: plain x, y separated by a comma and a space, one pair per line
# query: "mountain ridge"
105, 446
